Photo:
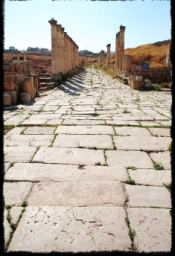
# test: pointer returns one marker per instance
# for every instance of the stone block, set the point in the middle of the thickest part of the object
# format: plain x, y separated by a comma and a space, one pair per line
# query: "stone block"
136, 84
25, 97
28, 86
10, 83
14, 96
7, 100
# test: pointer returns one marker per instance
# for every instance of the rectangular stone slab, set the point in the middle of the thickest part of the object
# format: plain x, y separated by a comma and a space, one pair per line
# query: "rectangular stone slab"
165, 132
19, 154
16, 192
132, 131
39, 130
77, 193
69, 156
141, 143
28, 140
58, 172
163, 158
97, 129
150, 177
129, 158
140, 196
97, 141
65, 229
152, 228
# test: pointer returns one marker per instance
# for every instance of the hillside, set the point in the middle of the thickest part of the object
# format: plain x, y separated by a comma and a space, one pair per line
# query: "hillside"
154, 54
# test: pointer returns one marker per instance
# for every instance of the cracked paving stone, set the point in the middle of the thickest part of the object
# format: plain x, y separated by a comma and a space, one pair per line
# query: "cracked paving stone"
152, 229
77, 229
163, 158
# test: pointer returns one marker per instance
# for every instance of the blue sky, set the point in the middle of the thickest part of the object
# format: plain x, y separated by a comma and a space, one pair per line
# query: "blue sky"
91, 24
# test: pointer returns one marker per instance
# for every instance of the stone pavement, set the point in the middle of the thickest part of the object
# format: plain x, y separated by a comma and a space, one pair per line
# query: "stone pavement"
88, 168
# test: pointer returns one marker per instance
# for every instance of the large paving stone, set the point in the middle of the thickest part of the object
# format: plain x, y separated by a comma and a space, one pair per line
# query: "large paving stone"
83, 122
19, 154
97, 141
16, 192
7, 228
162, 157
150, 177
109, 193
69, 156
165, 132
141, 143
57, 172
15, 120
65, 229
39, 130
132, 131
28, 140
98, 129
152, 228
140, 196
129, 158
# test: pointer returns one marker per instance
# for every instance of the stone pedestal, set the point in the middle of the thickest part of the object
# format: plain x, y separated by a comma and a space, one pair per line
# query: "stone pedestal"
25, 97
7, 100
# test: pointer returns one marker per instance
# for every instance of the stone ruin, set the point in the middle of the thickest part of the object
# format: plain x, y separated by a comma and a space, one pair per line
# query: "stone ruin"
64, 52
20, 83
101, 57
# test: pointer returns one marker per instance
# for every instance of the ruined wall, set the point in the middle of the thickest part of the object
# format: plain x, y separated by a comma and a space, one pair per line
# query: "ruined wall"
156, 75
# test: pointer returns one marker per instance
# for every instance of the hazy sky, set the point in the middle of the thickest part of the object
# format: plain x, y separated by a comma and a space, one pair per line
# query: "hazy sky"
91, 24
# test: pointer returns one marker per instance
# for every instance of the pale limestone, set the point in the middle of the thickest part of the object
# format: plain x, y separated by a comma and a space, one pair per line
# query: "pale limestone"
85, 130
97, 141
69, 156
77, 194
57, 172
19, 154
65, 229
15, 213
129, 158
150, 176
140, 196
7, 228
152, 228
15, 120
16, 192
141, 143
15, 131
132, 131
165, 132
6, 166
39, 130
28, 140
163, 158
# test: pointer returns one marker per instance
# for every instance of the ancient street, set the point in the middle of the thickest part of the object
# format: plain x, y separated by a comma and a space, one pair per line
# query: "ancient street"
88, 168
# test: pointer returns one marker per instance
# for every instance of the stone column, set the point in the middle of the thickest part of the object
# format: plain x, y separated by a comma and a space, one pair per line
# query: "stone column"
121, 53
73, 54
168, 58
69, 53
62, 50
54, 45
127, 64
117, 49
77, 58
59, 56
108, 54
65, 52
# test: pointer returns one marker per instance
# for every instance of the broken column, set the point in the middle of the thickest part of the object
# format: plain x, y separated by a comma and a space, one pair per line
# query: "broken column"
126, 65
121, 45
108, 54
101, 57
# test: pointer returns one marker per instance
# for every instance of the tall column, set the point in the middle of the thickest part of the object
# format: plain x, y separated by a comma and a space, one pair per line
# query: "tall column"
77, 57
65, 52
108, 54
59, 56
73, 57
117, 49
53, 24
62, 50
121, 53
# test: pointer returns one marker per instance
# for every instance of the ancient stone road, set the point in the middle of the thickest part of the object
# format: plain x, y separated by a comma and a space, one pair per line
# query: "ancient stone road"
87, 168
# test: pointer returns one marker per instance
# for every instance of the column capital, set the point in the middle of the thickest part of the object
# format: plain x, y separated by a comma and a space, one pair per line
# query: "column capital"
108, 45
122, 28
52, 22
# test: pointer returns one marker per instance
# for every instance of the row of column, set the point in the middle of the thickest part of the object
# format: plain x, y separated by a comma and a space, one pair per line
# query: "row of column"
64, 50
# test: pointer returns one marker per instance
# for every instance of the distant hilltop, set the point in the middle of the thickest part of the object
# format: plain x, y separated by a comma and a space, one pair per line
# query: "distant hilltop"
165, 42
